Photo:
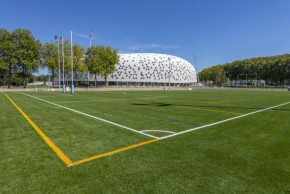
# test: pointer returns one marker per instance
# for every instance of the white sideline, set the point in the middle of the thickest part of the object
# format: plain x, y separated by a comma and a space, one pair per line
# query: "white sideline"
106, 121
223, 121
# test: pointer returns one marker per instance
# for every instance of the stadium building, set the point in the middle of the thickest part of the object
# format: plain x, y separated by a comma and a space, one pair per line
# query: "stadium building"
145, 69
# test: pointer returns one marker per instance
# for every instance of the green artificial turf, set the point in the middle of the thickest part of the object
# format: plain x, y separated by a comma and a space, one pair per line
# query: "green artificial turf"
245, 155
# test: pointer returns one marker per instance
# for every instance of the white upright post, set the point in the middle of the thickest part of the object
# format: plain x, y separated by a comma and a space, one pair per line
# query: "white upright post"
72, 64
58, 60
58, 64
63, 84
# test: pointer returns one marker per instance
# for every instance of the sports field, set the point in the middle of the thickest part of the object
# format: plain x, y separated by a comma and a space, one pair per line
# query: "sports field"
145, 142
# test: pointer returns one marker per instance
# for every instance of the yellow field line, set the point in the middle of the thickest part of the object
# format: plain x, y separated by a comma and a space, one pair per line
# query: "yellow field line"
60, 154
209, 110
114, 152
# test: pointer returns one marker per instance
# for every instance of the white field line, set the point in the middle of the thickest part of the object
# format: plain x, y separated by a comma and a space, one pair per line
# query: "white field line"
106, 121
223, 121
104, 100
49, 96
162, 131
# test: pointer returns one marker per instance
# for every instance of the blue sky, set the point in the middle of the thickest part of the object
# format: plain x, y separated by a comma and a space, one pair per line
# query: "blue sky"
216, 31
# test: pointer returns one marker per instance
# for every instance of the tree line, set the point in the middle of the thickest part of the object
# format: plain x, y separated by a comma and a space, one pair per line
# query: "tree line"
264, 71
21, 55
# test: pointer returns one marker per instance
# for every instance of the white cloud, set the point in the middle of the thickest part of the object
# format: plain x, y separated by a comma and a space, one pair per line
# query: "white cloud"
80, 35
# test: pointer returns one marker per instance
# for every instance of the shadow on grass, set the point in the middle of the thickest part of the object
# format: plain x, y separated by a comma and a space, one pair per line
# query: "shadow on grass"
152, 104
213, 107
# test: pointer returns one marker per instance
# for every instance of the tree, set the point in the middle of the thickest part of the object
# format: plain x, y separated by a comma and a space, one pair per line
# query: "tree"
218, 75
109, 59
102, 60
3, 78
26, 52
78, 59
7, 55
274, 70
215, 74
93, 62
204, 75
50, 58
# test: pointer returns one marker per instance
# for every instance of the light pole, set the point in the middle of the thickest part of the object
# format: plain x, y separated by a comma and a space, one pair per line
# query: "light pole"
63, 84
197, 78
91, 36
58, 60
256, 81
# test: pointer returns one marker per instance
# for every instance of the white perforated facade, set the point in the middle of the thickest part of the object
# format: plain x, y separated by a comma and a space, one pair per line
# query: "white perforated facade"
148, 68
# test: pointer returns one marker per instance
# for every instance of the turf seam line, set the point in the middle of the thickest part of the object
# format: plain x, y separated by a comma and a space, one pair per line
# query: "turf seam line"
223, 121
50, 143
114, 152
209, 110
97, 118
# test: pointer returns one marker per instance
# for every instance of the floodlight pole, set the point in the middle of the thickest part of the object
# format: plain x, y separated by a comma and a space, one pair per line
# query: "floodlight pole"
72, 64
246, 80
91, 36
195, 66
237, 80
63, 84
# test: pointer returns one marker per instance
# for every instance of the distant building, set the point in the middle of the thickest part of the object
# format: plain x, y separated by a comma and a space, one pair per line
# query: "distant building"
141, 69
